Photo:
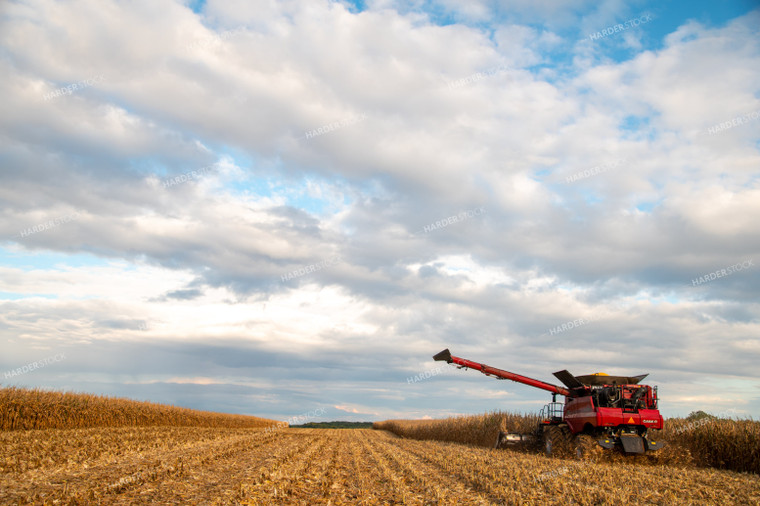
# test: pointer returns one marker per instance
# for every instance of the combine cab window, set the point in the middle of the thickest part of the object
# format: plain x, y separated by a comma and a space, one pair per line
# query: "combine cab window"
608, 397
629, 398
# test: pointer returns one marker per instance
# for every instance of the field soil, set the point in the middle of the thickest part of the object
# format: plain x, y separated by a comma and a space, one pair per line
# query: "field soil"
175, 465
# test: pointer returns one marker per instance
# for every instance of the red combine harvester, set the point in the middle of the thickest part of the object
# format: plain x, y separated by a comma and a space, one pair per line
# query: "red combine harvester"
599, 409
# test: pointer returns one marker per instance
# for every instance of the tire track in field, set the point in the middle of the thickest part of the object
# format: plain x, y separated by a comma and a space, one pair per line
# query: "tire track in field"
389, 486
322, 485
330, 470
352, 473
347, 481
307, 482
281, 483
430, 487
438, 480
353, 476
358, 473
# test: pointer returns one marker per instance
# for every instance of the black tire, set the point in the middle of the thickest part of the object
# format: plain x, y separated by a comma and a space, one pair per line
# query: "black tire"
557, 441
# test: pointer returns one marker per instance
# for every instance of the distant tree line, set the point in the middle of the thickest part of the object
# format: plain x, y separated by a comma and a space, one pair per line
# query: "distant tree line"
334, 425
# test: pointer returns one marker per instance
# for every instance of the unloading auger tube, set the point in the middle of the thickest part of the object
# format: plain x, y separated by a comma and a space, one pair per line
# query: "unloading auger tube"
614, 411
499, 373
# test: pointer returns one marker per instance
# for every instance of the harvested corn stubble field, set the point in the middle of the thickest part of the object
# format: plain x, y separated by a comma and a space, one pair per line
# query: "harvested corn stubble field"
197, 465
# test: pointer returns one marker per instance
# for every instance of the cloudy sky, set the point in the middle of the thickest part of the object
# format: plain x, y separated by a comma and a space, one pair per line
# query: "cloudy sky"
275, 207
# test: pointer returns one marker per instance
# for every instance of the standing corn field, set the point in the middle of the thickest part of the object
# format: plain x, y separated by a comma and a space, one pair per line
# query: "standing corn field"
25, 409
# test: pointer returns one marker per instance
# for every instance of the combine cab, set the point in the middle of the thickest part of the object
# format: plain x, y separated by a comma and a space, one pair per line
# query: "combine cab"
599, 410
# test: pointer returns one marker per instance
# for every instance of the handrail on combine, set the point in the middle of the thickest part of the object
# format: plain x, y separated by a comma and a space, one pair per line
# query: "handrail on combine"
552, 412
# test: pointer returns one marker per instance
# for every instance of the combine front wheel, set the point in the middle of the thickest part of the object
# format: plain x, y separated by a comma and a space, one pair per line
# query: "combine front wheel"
557, 441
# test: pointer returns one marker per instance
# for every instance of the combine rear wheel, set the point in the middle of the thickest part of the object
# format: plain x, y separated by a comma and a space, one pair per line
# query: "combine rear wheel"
557, 440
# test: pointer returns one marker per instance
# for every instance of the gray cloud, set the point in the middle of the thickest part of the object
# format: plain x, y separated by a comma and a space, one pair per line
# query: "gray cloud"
185, 281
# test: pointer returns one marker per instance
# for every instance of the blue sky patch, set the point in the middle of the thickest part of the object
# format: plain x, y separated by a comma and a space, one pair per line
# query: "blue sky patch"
47, 260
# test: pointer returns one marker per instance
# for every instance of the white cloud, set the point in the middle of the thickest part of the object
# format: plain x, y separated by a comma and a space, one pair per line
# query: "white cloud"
201, 263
